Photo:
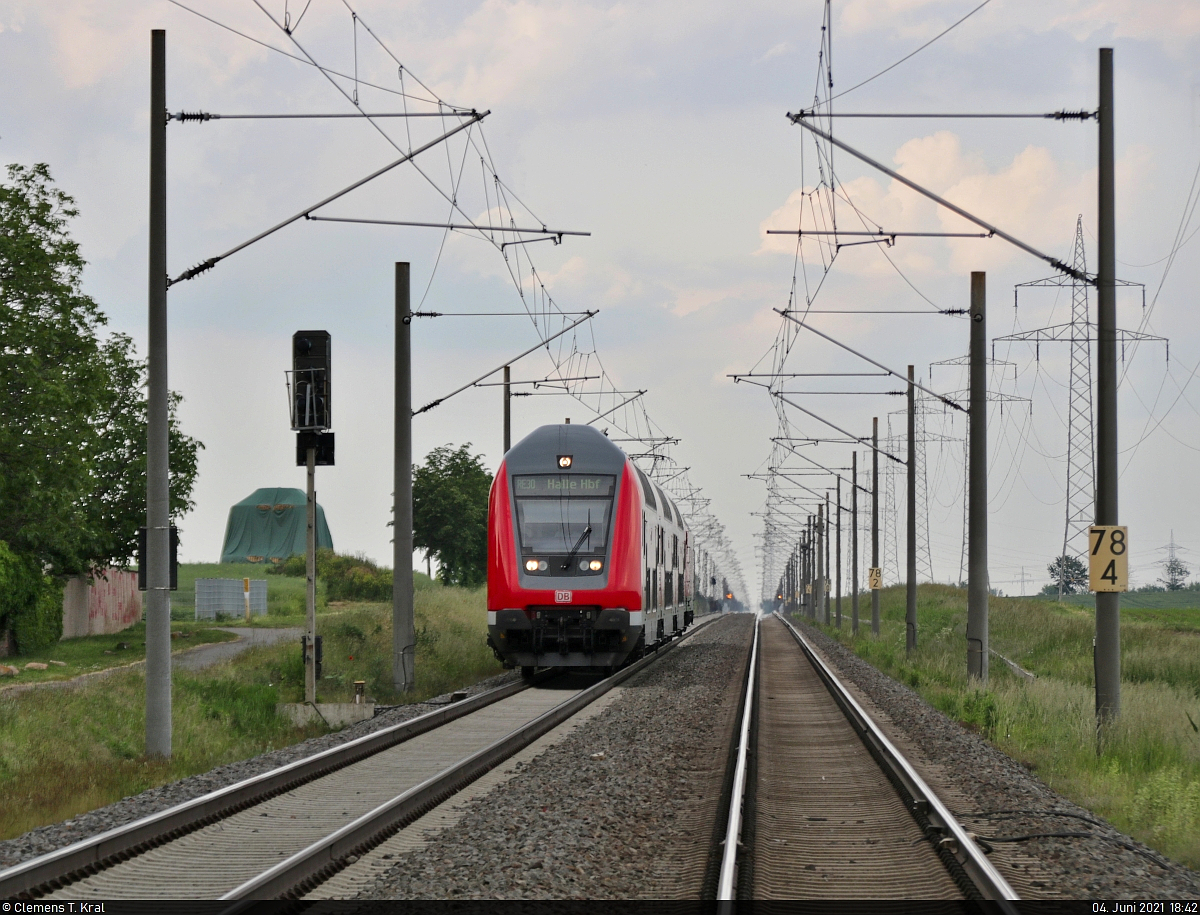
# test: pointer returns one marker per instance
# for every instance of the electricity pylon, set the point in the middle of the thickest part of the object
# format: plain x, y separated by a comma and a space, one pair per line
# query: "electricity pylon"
890, 551
1081, 453
994, 395
923, 406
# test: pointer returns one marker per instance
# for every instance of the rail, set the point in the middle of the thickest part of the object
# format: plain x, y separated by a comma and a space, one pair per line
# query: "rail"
46, 873
97, 852
308, 868
956, 841
733, 832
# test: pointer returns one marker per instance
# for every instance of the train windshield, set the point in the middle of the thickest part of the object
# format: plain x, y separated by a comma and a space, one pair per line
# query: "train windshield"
563, 513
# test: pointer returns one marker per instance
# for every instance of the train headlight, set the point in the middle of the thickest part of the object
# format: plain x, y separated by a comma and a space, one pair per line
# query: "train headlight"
595, 565
583, 565
543, 565
531, 565
564, 461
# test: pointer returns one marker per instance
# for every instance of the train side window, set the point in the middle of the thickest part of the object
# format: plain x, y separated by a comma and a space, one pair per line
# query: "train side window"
647, 489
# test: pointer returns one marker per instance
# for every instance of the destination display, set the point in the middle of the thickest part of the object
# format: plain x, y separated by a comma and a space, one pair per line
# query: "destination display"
564, 484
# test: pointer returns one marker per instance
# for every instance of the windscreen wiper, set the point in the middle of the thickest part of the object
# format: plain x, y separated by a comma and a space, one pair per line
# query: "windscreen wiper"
575, 549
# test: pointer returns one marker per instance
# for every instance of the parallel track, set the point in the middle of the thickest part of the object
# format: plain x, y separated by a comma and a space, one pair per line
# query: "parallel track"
832, 809
285, 831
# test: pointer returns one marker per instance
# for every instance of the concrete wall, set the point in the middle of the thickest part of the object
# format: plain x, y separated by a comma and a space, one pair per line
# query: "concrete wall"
101, 607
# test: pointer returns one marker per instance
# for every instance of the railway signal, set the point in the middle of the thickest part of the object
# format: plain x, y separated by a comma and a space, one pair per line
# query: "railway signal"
311, 380
174, 558
310, 397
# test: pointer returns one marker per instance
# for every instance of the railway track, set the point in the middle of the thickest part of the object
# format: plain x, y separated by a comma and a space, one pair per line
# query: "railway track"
825, 807
283, 833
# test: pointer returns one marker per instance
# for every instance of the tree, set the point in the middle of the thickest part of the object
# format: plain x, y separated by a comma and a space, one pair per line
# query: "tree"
72, 404
1071, 571
1175, 573
118, 467
450, 503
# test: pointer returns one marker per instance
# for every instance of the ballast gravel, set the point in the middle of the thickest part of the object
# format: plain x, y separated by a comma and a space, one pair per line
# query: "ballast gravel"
1007, 800
615, 810
48, 838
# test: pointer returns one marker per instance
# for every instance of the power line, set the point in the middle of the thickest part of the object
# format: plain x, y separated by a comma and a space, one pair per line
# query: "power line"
913, 53
573, 356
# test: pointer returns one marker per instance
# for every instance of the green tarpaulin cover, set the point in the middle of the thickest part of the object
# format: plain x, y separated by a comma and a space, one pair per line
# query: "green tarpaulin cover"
269, 525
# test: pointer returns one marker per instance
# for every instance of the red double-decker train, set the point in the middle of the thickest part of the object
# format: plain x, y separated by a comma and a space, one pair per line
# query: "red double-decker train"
589, 561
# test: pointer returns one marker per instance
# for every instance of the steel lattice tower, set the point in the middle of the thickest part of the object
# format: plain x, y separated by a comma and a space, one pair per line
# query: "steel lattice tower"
924, 554
889, 552
1081, 453
994, 395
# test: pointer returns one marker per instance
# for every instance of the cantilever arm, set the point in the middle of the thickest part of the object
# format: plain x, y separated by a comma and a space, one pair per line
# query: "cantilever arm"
1052, 261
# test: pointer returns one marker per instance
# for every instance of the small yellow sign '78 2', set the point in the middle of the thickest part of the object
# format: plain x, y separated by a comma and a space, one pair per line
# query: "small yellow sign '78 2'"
875, 578
1108, 558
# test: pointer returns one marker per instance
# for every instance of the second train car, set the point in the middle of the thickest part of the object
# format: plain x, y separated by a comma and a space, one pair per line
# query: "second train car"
589, 561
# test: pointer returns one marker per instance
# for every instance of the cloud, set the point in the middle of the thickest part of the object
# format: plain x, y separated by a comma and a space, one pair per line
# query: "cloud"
1033, 197
13, 21
775, 51
864, 15
1169, 21
689, 299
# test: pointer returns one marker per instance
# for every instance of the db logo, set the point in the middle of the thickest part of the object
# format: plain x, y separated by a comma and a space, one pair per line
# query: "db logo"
562, 597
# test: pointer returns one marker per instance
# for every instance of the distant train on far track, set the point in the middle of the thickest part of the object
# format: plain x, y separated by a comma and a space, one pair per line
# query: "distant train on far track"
589, 561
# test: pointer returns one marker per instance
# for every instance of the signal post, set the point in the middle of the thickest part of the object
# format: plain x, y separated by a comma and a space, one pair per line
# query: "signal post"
310, 383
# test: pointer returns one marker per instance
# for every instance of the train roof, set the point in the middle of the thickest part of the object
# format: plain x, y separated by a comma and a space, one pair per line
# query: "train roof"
589, 449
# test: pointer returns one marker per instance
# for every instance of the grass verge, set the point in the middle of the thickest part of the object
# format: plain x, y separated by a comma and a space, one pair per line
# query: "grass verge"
100, 652
451, 629
63, 752
1144, 776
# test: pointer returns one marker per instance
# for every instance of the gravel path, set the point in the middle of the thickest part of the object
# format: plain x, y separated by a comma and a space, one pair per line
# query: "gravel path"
616, 810
47, 838
973, 777
247, 637
194, 658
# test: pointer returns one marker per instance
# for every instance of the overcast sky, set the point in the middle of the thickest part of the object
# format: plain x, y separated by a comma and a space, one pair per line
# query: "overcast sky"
660, 128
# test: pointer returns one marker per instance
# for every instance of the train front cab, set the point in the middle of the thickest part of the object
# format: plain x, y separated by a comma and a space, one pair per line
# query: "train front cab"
564, 553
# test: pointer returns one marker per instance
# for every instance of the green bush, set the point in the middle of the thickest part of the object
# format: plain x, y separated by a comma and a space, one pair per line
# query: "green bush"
40, 625
15, 585
347, 578
295, 566
30, 603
